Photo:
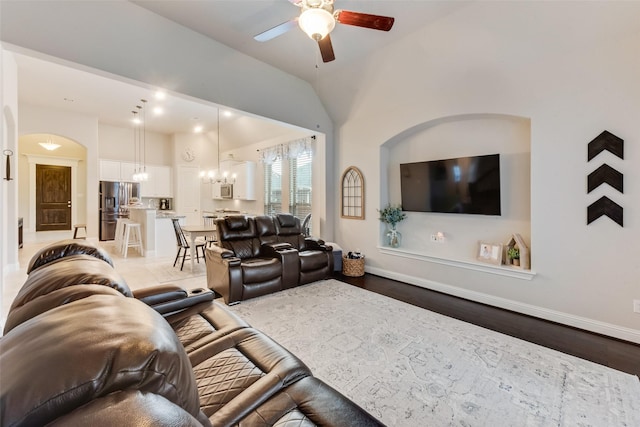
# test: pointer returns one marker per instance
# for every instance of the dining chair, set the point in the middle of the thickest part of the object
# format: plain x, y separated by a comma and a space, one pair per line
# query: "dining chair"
306, 225
209, 221
183, 244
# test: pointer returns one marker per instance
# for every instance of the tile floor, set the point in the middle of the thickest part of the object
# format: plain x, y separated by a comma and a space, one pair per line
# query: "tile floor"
131, 268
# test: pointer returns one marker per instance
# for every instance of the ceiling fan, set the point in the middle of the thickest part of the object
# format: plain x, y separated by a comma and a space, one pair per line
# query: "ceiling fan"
318, 18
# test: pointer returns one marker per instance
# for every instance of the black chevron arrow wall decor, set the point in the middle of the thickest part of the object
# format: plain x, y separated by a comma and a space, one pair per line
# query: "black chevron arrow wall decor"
605, 174
606, 141
605, 206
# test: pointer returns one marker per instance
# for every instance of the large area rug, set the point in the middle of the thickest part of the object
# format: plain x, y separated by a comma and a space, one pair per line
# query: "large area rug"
165, 272
411, 367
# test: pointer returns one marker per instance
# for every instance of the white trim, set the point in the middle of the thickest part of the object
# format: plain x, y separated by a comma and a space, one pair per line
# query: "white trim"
53, 161
508, 271
10, 268
596, 326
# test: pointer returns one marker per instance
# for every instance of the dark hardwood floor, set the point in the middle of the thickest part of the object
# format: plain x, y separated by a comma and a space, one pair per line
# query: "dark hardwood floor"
614, 353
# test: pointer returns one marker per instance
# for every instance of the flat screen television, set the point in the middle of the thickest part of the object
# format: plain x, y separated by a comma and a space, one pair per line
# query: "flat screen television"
466, 185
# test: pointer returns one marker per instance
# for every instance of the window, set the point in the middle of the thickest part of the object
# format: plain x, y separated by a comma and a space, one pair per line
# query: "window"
273, 187
287, 178
300, 184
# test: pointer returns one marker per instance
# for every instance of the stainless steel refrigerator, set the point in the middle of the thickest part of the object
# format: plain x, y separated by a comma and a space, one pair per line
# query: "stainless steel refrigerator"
114, 199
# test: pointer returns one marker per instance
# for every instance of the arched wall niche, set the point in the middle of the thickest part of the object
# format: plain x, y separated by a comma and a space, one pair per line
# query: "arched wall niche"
461, 136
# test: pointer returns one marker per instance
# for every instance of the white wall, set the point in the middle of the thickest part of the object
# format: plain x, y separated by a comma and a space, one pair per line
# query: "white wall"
116, 143
8, 189
570, 88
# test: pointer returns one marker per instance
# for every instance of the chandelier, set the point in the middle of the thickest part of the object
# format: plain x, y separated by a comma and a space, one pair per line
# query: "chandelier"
213, 175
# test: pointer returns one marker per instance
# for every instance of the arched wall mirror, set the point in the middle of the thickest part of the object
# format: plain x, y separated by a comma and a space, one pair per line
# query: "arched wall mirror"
352, 193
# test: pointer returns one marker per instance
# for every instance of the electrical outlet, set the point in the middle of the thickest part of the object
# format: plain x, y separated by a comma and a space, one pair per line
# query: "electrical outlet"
636, 305
434, 238
440, 236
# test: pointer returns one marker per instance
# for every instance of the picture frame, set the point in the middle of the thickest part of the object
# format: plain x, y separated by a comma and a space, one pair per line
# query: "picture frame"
490, 252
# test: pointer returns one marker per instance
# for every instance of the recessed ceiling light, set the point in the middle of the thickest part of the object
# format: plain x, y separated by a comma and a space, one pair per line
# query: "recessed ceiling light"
227, 113
160, 95
198, 129
158, 110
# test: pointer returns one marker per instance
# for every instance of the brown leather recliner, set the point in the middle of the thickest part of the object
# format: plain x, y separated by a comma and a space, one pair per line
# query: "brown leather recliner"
316, 258
96, 354
243, 266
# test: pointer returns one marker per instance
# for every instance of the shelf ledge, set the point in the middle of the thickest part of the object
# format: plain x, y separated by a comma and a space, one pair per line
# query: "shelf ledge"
500, 270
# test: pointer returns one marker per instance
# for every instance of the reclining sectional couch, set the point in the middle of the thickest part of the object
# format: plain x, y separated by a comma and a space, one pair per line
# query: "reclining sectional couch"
79, 349
262, 255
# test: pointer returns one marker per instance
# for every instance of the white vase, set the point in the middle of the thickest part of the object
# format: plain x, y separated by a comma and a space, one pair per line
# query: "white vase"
394, 237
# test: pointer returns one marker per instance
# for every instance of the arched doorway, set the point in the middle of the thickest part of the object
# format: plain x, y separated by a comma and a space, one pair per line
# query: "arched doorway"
52, 183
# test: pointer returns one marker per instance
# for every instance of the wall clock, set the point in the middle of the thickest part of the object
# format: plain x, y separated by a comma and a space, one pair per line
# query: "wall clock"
188, 155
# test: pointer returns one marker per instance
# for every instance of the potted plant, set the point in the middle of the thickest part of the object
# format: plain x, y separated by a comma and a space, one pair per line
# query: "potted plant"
513, 254
392, 215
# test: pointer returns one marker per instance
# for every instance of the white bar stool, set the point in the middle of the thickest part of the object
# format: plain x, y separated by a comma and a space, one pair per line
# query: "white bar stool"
132, 238
119, 235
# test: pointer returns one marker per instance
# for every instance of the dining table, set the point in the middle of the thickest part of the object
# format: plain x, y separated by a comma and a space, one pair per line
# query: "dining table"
195, 231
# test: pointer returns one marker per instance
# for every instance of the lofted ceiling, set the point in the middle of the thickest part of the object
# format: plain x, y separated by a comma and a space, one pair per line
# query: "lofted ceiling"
235, 23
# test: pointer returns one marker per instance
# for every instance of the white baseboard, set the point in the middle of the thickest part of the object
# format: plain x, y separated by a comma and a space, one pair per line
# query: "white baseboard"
596, 326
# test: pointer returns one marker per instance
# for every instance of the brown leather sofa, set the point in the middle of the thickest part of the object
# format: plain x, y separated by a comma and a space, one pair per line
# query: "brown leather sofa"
79, 348
263, 255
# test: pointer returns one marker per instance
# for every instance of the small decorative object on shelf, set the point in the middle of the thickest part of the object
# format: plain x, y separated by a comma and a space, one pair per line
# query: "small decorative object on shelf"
392, 215
490, 253
518, 252
513, 254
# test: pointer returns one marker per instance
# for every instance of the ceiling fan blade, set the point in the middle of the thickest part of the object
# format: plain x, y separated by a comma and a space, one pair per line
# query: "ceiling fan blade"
375, 22
276, 31
326, 49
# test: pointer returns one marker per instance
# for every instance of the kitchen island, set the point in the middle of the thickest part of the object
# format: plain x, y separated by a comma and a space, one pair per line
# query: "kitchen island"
156, 226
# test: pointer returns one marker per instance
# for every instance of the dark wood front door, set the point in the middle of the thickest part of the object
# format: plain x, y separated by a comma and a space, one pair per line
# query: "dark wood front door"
53, 198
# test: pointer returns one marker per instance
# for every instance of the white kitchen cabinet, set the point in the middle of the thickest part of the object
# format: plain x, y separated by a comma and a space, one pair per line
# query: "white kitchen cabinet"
114, 170
215, 191
244, 187
158, 183
127, 169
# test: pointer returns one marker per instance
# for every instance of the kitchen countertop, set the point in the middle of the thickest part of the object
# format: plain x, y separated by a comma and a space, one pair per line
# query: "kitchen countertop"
168, 214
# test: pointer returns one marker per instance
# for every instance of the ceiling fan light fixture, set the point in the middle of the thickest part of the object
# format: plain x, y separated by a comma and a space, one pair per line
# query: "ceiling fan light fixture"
317, 23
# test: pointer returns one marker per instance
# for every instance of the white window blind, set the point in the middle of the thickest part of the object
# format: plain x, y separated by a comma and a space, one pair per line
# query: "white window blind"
287, 177
300, 184
273, 187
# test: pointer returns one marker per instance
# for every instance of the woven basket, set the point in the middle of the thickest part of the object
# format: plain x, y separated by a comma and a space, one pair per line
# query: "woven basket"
353, 267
